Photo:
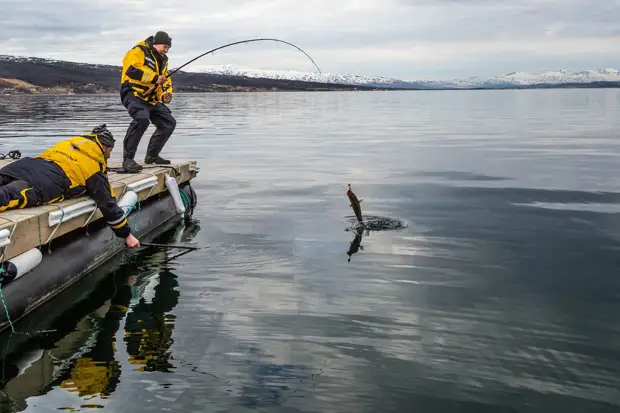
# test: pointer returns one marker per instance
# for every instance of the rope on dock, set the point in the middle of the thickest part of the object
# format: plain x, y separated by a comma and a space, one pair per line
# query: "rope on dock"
15, 154
62, 215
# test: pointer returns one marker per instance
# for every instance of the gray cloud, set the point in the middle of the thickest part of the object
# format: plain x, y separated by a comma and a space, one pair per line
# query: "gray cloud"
401, 38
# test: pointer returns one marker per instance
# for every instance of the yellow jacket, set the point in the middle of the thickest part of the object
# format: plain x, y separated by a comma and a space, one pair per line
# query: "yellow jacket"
141, 66
82, 160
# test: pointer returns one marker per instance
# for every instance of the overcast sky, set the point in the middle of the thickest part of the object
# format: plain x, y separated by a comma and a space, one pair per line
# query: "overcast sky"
406, 39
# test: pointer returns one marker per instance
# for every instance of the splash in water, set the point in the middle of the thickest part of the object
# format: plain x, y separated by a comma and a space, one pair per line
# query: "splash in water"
375, 223
371, 223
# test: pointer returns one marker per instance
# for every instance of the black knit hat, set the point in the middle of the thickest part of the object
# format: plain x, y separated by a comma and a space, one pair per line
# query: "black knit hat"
162, 38
104, 135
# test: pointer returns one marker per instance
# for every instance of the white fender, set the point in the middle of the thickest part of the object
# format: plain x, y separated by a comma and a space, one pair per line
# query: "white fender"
22, 263
5, 238
143, 184
128, 202
70, 212
171, 183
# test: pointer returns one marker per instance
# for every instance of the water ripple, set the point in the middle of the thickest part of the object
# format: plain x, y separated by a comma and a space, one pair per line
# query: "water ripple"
499, 295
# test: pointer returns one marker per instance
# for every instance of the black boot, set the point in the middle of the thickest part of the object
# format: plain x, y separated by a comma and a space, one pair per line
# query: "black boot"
158, 160
131, 166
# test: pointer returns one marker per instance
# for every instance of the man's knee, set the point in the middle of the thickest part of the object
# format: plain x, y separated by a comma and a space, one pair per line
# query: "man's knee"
138, 126
142, 122
165, 124
161, 116
139, 112
171, 123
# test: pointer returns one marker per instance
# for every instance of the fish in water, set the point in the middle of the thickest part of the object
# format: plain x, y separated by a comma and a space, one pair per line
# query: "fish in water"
355, 204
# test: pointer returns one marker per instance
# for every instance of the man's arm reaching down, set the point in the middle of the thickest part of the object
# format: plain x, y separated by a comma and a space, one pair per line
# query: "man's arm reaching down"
99, 189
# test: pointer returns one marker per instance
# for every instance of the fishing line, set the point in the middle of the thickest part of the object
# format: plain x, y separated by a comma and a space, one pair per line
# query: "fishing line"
151, 244
260, 39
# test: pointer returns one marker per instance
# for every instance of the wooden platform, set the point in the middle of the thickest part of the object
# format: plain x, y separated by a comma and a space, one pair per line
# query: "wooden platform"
30, 227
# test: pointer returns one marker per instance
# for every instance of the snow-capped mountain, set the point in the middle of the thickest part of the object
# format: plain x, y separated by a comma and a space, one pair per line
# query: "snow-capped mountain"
45, 61
514, 79
548, 77
508, 80
339, 78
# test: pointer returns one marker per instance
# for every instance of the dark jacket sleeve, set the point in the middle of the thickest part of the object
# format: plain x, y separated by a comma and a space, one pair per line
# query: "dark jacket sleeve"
98, 187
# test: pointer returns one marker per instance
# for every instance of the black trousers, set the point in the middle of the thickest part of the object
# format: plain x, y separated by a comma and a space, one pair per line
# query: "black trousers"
17, 194
29, 182
142, 114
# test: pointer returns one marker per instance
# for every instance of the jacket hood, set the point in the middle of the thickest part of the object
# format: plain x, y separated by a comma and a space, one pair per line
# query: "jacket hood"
148, 42
91, 147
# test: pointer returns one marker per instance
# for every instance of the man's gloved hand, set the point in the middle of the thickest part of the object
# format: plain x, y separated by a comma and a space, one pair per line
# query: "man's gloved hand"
166, 97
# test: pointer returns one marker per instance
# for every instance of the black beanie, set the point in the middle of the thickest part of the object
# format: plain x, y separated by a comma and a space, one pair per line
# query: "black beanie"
162, 38
104, 135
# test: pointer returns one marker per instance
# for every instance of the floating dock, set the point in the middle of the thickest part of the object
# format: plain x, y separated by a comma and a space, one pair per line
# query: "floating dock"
50, 247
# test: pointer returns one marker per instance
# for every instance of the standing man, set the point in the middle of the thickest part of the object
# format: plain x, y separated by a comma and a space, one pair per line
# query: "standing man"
145, 66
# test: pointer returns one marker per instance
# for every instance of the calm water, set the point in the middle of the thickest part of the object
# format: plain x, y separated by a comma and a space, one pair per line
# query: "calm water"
501, 295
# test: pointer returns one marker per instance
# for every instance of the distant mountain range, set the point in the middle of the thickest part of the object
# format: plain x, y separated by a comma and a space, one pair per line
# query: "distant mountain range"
510, 80
37, 75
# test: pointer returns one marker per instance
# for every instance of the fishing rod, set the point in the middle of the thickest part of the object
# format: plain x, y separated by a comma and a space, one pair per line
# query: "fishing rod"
261, 39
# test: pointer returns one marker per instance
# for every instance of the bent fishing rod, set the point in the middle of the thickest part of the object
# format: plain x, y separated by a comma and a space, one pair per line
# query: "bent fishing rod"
149, 91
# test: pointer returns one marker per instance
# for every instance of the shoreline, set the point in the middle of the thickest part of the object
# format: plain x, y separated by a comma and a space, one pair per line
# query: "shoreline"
50, 92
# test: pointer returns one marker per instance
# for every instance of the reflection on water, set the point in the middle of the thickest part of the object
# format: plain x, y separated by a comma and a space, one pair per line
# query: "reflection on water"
500, 293
126, 320
148, 332
356, 244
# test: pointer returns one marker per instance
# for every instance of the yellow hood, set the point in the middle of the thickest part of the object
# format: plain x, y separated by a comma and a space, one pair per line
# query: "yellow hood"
89, 145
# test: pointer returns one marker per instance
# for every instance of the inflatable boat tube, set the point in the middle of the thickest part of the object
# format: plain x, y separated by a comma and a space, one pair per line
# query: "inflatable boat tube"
74, 255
